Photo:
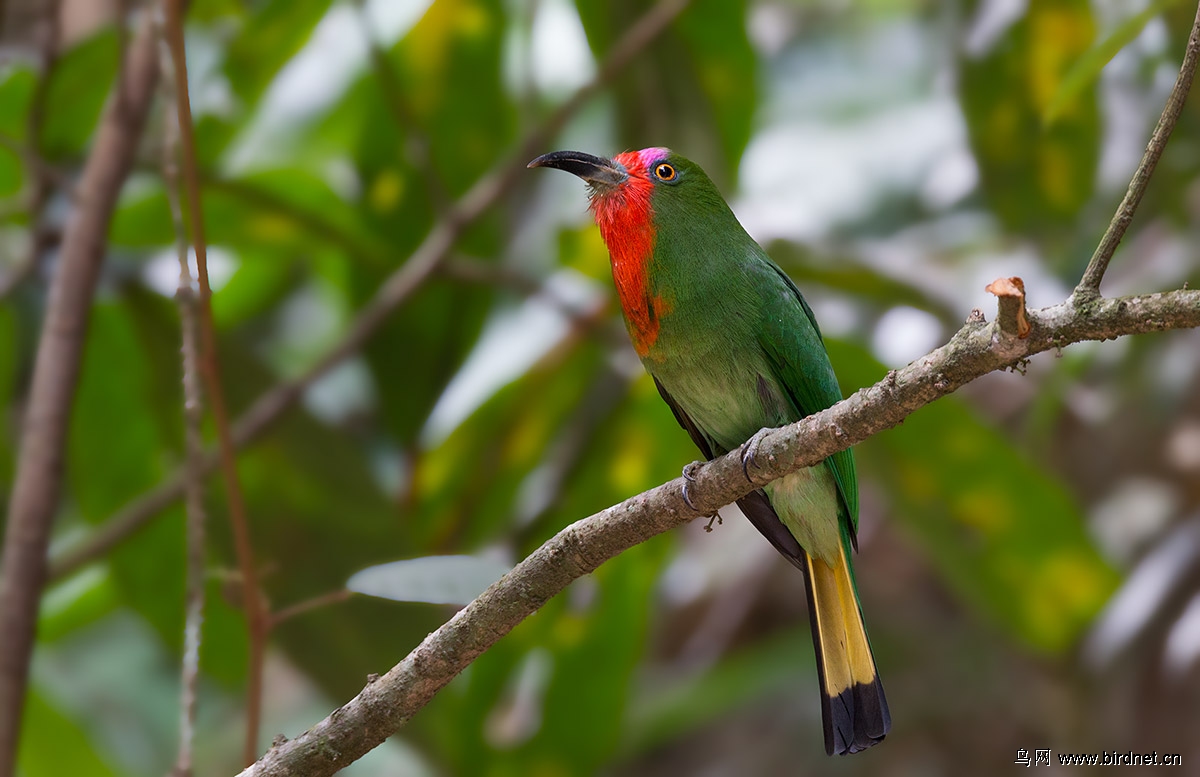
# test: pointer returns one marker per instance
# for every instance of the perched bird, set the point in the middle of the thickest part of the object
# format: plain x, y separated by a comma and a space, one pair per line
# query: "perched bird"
734, 348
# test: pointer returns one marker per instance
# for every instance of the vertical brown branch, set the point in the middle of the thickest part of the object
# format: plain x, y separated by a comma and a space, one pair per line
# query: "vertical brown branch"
35, 494
193, 417
210, 371
1089, 285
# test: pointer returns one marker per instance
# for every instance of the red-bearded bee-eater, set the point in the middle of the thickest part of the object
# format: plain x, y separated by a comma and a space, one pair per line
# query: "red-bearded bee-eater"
734, 348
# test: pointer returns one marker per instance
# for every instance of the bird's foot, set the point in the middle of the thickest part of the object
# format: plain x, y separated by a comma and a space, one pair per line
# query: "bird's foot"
714, 517
689, 477
750, 451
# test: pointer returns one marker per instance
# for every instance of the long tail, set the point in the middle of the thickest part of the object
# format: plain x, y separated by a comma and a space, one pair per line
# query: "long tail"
853, 706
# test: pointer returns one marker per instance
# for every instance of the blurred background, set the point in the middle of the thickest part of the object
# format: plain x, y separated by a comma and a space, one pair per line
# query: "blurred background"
1030, 547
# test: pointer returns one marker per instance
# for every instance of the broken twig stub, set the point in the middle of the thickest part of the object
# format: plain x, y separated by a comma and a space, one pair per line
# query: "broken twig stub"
1012, 318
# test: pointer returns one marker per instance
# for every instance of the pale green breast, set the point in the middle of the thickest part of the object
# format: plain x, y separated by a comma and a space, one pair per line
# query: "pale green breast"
730, 393
719, 393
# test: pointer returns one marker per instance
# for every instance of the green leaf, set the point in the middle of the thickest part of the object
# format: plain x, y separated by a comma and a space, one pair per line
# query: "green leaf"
310, 494
79, 85
661, 712
430, 579
436, 330
261, 281
214, 134
550, 698
289, 209
52, 744
1036, 177
853, 278
268, 40
725, 68
467, 487
114, 444
142, 218
567, 717
693, 89
1087, 68
126, 428
75, 603
207, 11
456, 49
16, 93
131, 723
11, 173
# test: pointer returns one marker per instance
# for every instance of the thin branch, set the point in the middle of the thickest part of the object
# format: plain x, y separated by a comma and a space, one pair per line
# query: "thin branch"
471, 270
385, 705
574, 439
42, 181
1089, 286
308, 605
314, 223
592, 318
126, 521
34, 498
394, 292
193, 417
256, 617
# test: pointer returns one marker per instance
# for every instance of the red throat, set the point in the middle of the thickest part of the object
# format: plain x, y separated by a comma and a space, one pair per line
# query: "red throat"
625, 219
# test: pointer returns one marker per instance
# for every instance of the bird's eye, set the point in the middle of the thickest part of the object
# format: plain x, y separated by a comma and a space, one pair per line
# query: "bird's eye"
665, 172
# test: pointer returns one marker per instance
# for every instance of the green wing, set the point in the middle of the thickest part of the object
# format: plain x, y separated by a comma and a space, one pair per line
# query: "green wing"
797, 356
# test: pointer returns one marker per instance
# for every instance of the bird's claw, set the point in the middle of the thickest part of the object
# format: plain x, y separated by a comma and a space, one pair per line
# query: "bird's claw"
689, 477
750, 451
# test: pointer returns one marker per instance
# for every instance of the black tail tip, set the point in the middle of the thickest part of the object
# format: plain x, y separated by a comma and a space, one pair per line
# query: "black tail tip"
855, 719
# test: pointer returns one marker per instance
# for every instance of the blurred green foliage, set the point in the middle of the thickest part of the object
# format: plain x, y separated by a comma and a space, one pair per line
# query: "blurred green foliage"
975, 534
1036, 175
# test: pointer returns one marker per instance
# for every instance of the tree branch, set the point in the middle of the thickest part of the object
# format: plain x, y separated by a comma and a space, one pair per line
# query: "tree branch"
385, 705
1089, 285
314, 223
193, 419
394, 292
284, 615
210, 371
35, 494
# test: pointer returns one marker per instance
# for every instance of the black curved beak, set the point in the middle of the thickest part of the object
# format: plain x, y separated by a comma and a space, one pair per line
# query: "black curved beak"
597, 171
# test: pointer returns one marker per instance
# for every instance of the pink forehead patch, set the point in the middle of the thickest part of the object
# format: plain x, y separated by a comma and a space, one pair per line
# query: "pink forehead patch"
649, 156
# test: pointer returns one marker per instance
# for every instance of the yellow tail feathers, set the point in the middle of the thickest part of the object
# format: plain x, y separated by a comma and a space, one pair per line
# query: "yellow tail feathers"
853, 706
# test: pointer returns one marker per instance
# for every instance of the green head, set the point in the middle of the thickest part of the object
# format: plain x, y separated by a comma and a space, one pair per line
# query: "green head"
652, 185
647, 202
